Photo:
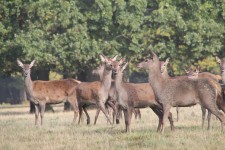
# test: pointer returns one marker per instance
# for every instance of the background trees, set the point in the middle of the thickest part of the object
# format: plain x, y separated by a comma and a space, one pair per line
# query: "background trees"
66, 36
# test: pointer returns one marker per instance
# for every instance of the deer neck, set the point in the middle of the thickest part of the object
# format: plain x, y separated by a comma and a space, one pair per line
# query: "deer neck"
165, 74
156, 79
106, 79
28, 85
223, 76
118, 81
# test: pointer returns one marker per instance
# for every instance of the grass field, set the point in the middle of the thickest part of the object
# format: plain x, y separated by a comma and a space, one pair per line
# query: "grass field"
18, 132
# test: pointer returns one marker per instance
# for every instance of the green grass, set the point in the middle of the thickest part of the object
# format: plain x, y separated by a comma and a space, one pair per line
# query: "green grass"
17, 131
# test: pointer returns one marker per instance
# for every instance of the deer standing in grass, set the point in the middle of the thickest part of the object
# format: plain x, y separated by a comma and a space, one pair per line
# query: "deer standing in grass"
112, 100
51, 92
131, 95
182, 93
96, 92
194, 74
164, 72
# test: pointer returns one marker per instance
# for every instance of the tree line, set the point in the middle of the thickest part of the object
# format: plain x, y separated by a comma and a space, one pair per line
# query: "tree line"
66, 36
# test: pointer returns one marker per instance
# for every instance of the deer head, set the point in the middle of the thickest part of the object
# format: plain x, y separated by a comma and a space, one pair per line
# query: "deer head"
222, 63
192, 74
108, 62
26, 67
150, 64
117, 65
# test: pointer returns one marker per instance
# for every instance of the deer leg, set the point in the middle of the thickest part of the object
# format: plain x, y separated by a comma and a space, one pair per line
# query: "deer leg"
74, 104
125, 118
42, 111
96, 115
114, 110
170, 117
219, 115
118, 114
177, 109
80, 113
129, 112
203, 116
139, 113
209, 119
87, 115
166, 111
101, 106
36, 113
160, 116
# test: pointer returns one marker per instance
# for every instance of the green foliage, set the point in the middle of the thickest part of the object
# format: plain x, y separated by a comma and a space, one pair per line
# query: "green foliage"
69, 35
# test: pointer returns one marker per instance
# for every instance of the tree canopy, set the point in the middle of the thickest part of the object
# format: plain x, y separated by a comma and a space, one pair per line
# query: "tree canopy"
68, 35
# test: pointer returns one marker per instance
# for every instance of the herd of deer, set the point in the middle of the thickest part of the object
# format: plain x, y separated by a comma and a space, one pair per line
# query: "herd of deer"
160, 94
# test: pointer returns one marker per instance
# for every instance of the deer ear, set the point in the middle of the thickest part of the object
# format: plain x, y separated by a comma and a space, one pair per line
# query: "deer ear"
167, 60
122, 60
187, 70
154, 56
124, 66
102, 57
114, 58
197, 69
218, 60
32, 63
19, 63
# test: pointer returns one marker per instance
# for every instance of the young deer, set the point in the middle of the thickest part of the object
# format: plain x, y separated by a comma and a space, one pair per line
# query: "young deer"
132, 96
52, 92
96, 92
111, 101
170, 92
194, 74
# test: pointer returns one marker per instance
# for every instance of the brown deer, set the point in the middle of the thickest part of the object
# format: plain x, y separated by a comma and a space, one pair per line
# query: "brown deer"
133, 95
164, 72
221, 62
111, 102
51, 92
182, 93
96, 92
194, 74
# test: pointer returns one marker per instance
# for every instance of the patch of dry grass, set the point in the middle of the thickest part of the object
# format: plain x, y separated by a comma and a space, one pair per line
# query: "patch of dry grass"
17, 131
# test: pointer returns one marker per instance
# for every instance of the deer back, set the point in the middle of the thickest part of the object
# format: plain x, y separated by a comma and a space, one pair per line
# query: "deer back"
53, 91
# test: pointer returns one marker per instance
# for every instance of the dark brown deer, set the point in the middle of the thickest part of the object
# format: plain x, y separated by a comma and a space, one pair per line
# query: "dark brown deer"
182, 93
51, 92
131, 95
221, 62
194, 74
96, 92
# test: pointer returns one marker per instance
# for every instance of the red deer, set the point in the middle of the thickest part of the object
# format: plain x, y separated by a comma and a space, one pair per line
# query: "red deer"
112, 99
52, 92
182, 93
134, 95
222, 68
194, 74
164, 72
96, 92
